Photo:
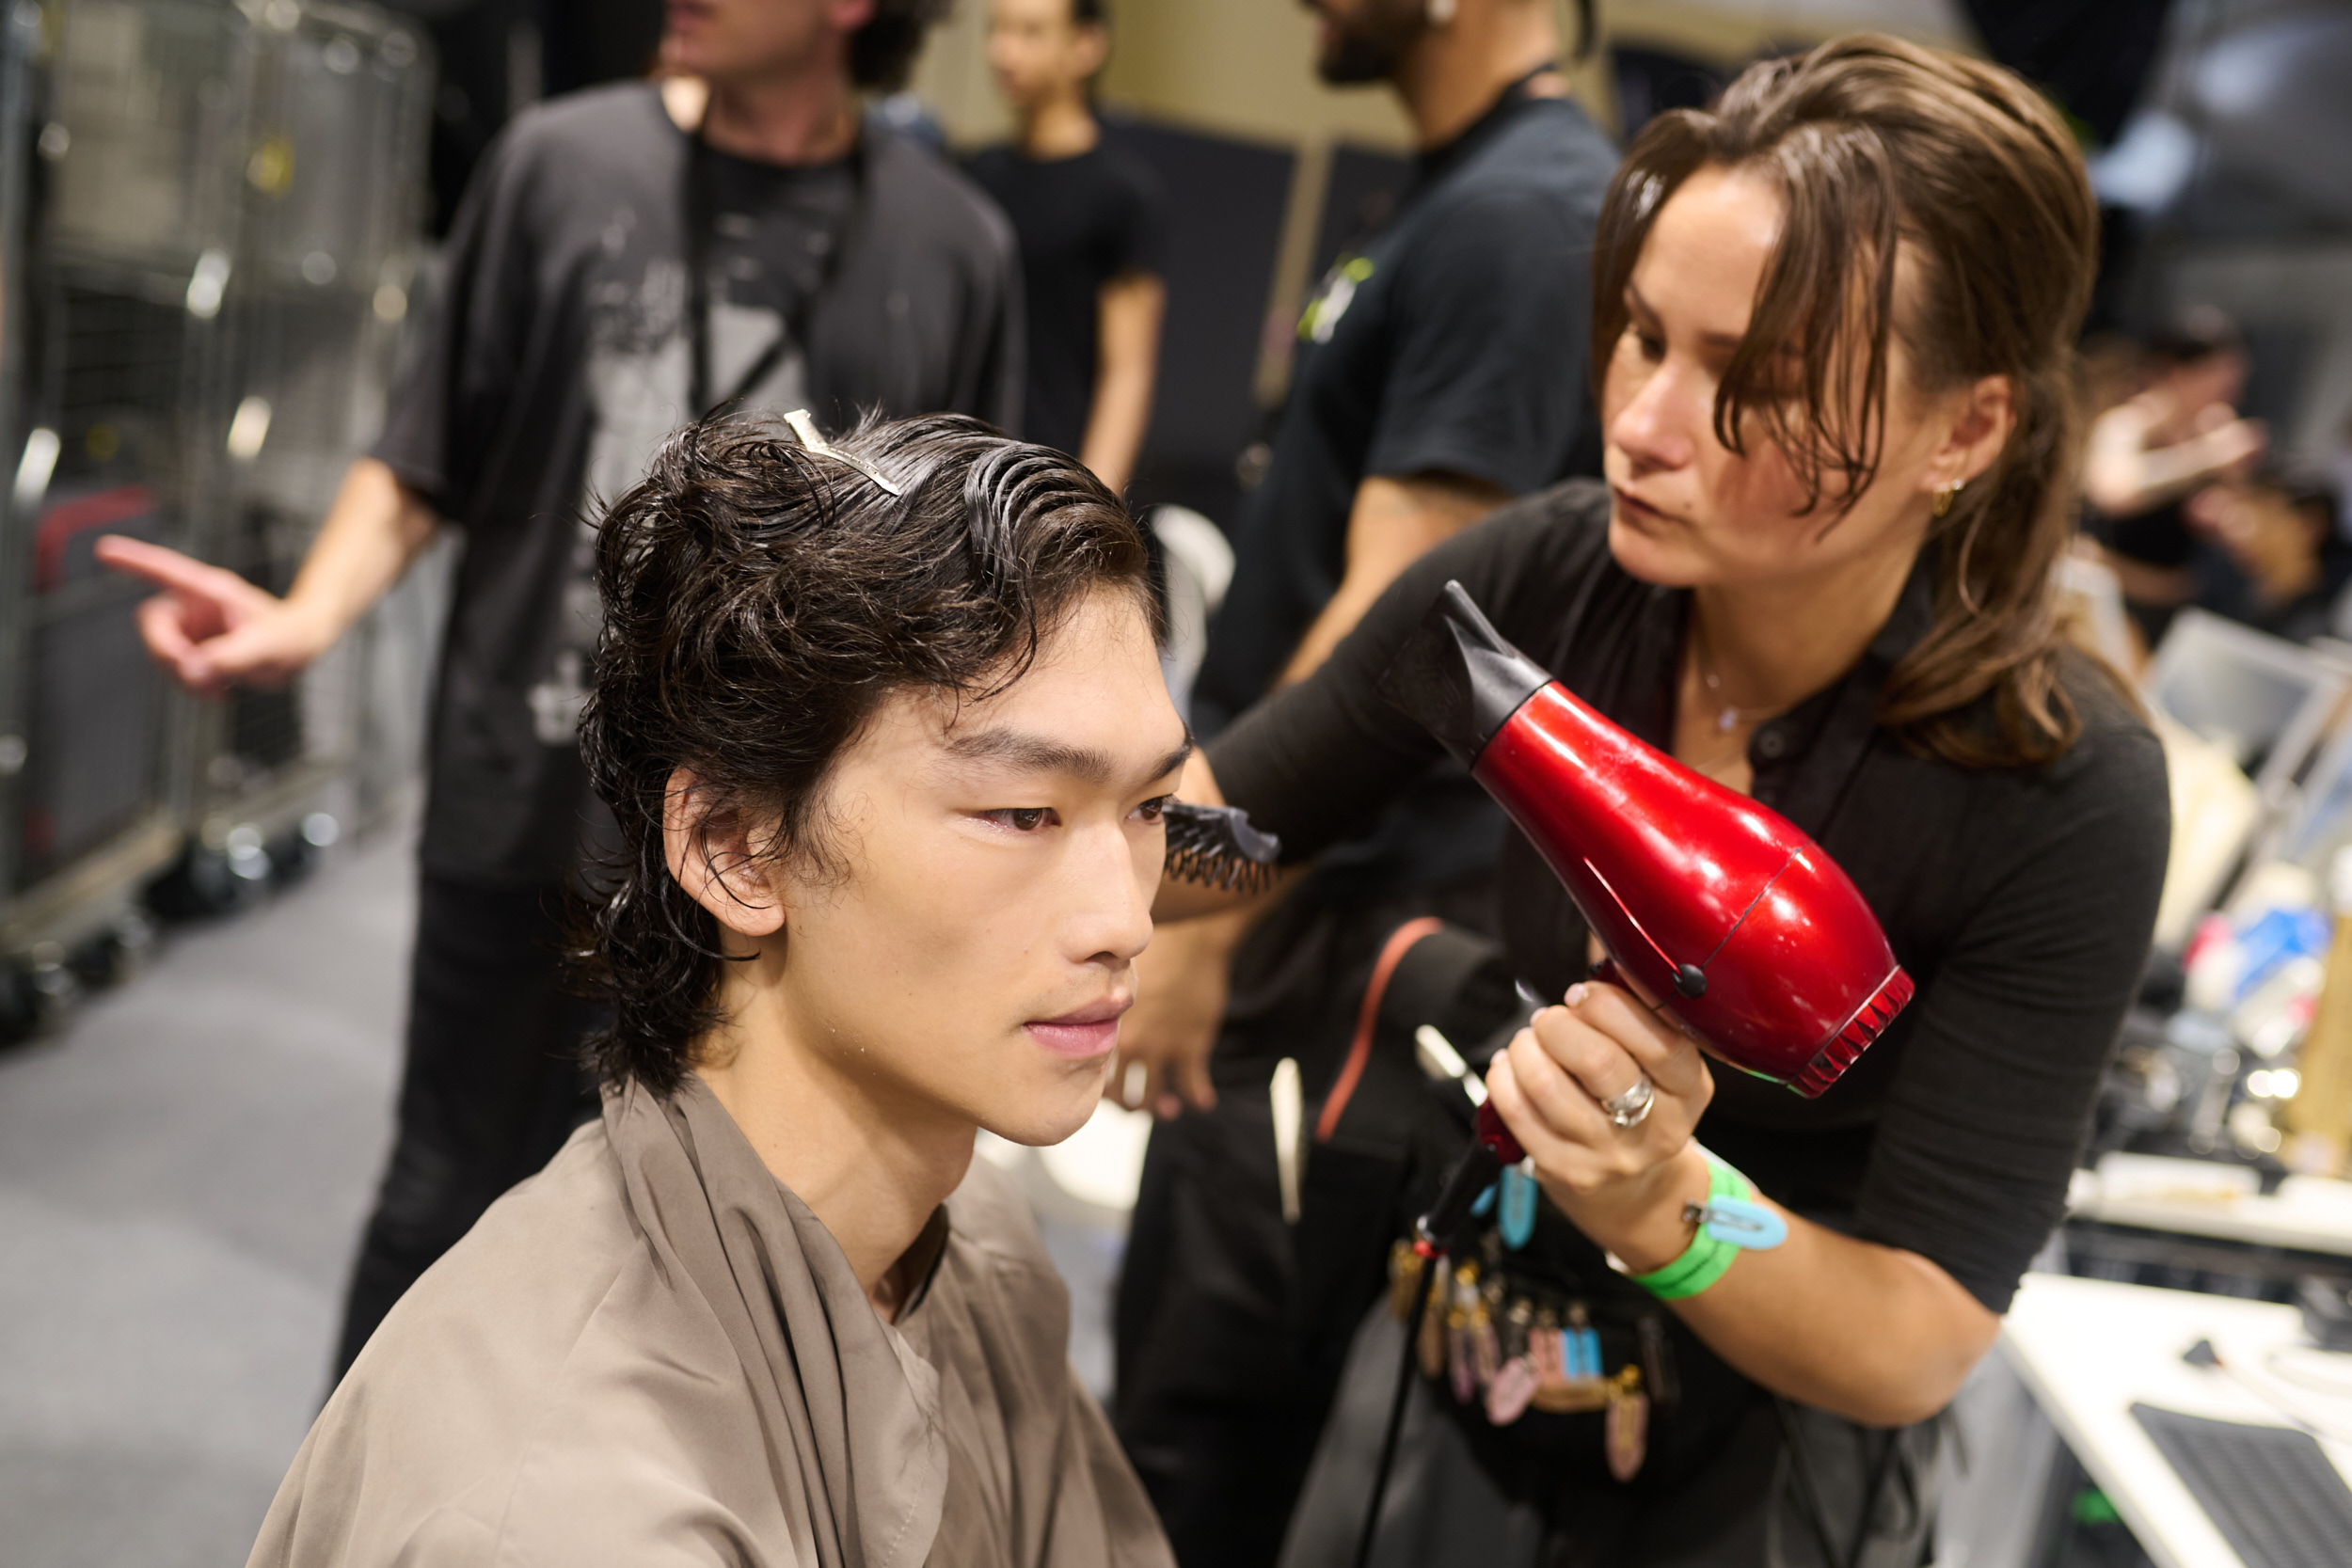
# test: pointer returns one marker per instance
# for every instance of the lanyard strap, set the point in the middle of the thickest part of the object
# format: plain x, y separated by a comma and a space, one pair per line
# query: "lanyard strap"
701, 224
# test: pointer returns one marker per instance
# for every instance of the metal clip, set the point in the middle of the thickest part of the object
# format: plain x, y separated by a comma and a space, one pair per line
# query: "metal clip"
805, 428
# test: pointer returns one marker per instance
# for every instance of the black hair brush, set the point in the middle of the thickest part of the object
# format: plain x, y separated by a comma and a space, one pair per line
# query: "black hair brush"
1215, 846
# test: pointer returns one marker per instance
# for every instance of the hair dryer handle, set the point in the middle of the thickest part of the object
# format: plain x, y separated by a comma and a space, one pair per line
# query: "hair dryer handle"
1491, 1148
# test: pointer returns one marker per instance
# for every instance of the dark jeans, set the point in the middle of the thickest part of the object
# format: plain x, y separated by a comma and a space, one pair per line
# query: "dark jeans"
490, 1089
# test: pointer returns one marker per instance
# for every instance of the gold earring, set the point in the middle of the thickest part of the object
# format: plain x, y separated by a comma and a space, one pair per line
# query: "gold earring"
1948, 495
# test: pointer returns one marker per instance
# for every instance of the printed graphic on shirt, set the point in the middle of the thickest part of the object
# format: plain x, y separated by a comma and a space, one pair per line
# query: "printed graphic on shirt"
1337, 292
639, 367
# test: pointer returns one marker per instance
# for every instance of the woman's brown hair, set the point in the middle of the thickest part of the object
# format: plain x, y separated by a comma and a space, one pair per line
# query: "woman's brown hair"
1883, 148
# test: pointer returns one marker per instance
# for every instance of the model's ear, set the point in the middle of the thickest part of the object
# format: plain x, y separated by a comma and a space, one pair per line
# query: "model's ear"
713, 852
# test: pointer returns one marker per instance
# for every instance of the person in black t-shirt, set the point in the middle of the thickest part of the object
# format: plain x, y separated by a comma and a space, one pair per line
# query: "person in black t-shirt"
1820, 573
1440, 368
2271, 553
627, 259
2147, 454
1088, 221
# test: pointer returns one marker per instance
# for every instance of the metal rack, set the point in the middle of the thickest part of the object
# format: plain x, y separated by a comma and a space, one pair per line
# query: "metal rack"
336, 103
210, 224
121, 226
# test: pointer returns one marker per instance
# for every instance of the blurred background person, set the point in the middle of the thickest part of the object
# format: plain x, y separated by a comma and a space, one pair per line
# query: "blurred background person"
1089, 222
626, 259
2148, 453
1442, 369
2274, 557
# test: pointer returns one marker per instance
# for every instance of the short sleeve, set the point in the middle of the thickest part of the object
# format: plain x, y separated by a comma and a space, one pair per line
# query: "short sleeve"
1987, 1114
467, 347
1487, 375
1142, 236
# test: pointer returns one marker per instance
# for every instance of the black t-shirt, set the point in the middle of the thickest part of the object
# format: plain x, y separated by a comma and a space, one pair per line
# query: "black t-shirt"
2020, 900
557, 358
1080, 222
1456, 340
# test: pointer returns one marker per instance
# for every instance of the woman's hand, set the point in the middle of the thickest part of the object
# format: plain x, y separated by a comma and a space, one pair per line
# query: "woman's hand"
1623, 1186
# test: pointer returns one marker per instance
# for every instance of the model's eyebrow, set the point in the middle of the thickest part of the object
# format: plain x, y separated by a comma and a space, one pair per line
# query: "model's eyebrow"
1035, 753
1719, 342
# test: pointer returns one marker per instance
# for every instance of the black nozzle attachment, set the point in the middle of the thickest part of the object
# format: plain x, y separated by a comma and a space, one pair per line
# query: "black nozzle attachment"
1459, 677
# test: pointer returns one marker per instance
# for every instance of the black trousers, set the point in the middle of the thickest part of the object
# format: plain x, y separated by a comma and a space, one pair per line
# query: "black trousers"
1228, 1360
490, 1085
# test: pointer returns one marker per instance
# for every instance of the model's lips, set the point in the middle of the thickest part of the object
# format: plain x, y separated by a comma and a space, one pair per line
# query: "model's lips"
1087, 1032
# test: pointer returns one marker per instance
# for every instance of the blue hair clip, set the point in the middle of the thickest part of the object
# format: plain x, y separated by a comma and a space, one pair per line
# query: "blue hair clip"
1518, 1207
1739, 1221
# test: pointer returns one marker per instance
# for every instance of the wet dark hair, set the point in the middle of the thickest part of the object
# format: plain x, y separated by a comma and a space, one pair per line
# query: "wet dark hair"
1884, 148
881, 53
2194, 335
760, 602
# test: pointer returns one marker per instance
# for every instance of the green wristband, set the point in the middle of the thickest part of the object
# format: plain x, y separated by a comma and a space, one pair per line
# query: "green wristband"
1704, 1261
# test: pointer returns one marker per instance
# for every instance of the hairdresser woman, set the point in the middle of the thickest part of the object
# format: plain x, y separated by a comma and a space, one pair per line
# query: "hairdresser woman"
1833, 327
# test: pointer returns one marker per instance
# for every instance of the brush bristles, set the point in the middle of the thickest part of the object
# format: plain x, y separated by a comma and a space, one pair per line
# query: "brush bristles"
1215, 846
1218, 869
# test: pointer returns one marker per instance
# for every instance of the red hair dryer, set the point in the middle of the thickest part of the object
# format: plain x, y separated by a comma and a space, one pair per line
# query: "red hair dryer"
1709, 904
1713, 907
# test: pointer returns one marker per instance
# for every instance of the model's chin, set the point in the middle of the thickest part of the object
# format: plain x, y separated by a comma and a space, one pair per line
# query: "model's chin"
1049, 1115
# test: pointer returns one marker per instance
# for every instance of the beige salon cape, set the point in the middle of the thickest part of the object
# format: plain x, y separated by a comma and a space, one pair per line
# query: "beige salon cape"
652, 1353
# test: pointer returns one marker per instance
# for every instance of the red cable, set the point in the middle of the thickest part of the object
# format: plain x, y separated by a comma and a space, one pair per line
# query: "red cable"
1400, 942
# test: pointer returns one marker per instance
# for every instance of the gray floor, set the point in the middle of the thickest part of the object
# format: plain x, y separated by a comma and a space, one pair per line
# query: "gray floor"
181, 1176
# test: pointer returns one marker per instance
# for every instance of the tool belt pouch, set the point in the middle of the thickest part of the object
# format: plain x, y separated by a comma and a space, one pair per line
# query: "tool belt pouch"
1589, 1343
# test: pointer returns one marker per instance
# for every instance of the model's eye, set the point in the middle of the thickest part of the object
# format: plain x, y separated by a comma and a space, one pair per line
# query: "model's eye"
1153, 808
1021, 819
1650, 348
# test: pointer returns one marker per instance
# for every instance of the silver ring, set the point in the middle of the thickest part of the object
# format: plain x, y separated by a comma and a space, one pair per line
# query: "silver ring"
1631, 1108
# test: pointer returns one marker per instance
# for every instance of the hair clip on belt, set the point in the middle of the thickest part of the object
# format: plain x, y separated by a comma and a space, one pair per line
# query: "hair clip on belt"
805, 428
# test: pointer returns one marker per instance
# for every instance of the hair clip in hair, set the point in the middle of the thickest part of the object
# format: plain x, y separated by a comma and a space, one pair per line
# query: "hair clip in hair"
805, 428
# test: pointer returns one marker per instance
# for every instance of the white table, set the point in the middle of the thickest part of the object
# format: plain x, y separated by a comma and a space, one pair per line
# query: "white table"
2307, 1214
2088, 1350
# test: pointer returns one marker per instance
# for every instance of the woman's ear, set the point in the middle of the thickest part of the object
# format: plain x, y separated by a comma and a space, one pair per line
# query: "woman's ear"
710, 851
1984, 413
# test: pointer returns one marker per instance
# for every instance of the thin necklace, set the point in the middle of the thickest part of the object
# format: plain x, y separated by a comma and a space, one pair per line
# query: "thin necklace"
1728, 717
1717, 768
